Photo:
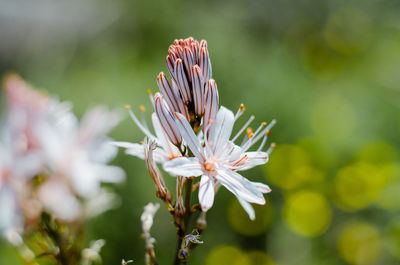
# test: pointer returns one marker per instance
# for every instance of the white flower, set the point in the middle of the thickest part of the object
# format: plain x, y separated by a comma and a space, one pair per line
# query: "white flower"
76, 155
218, 159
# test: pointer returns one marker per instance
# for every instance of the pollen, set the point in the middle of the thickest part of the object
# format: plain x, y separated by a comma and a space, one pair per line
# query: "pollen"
249, 132
273, 145
264, 123
142, 108
127, 106
242, 107
209, 166
149, 91
267, 132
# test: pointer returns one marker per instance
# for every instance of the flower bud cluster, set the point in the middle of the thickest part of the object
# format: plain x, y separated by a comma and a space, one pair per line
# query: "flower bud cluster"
191, 91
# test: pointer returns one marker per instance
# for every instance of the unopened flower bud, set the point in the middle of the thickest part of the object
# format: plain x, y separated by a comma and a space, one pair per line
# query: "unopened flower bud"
210, 104
167, 121
198, 90
182, 81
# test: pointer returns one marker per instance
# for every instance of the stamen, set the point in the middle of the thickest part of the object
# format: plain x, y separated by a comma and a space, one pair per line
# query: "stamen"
249, 133
258, 136
143, 117
271, 148
264, 140
262, 125
240, 111
140, 125
243, 128
151, 96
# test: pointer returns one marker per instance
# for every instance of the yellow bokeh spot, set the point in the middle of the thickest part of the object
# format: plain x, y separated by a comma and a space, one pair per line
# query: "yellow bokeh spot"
291, 168
307, 213
393, 237
260, 258
227, 255
241, 223
388, 197
357, 186
359, 243
378, 153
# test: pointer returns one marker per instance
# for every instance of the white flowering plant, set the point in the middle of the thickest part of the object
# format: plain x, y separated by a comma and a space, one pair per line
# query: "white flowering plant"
193, 142
52, 166
51, 170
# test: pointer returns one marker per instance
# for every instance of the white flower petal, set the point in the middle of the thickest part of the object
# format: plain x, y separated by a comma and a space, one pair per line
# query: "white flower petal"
206, 193
221, 130
59, 200
240, 186
248, 208
183, 166
262, 187
254, 159
188, 135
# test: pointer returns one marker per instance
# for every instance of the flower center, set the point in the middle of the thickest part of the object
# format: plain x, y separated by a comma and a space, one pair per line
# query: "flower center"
209, 166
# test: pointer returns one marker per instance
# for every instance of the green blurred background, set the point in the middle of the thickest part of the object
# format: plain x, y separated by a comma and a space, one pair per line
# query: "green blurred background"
328, 71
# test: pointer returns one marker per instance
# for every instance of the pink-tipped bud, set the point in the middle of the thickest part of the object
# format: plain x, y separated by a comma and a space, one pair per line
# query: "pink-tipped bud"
166, 119
182, 81
205, 63
166, 89
196, 50
198, 90
171, 66
210, 104
188, 59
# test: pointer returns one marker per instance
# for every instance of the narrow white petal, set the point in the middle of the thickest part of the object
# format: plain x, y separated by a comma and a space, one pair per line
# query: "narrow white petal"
252, 159
188, 135
248, 208
262, 187
240, 186
183, 166
221, 130
206, 193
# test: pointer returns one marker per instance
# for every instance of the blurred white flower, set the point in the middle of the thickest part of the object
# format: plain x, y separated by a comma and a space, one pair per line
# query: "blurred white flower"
147, 216
41, 137
92, 254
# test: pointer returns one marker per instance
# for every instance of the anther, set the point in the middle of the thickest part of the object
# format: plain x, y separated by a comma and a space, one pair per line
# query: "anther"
142, 108
249, 132
127, 106
149, 91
